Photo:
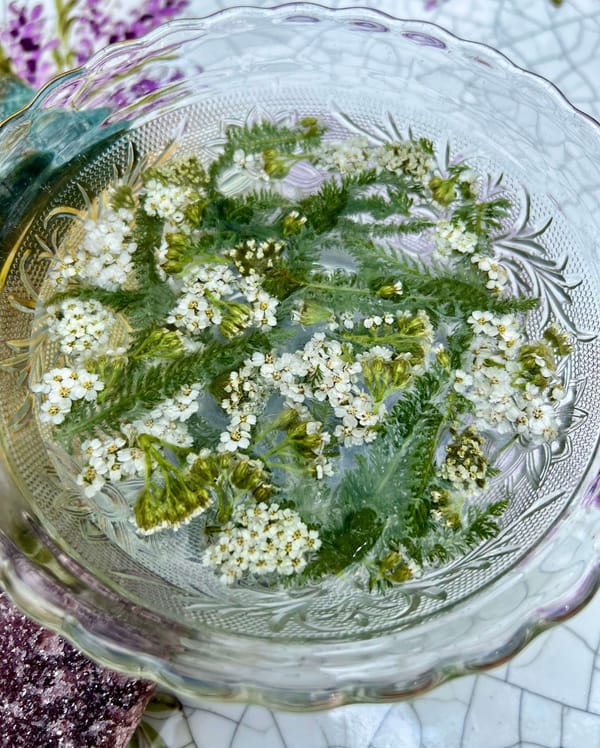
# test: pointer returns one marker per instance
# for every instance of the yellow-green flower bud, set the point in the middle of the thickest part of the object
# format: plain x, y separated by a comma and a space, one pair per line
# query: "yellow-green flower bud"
236, 321
275, 166
263, 492
311, 126
537, 361
297, 431
248, 475
559, 340
203, 469
240, 475
390, 290
161, 343
418, 325
394, 568
293, 223
401, 372
442, 357
286, 418
194, 212
443, 190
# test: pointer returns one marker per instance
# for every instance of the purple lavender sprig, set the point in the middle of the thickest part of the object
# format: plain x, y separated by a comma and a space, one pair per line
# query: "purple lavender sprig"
96, 27
26, 43
36, 47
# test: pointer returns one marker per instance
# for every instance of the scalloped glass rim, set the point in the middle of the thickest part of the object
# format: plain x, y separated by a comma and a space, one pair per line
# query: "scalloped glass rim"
60, 594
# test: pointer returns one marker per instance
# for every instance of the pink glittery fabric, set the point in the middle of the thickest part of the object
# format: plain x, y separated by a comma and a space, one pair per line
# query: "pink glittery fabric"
52, 696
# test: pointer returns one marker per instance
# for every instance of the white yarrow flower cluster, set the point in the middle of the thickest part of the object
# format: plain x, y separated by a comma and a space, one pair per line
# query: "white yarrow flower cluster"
492, 380
405, 157
109, 460
319, 371
167, 420
166, 201
61, 387
261, 540
206, 295
451, 238
104, 255
356, 153
246, 173
62, 270
82, 328
345, 156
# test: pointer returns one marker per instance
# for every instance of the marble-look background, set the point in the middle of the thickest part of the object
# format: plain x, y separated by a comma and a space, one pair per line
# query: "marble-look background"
549, 695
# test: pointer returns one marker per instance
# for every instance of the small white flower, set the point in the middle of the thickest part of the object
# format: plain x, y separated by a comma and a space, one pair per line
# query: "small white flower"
264, 308
233, 440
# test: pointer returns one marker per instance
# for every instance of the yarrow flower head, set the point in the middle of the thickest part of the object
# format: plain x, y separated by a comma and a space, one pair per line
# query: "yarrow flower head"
167, 201
108, 461
167, 420
509, 381
261, 540
104, 256
63, 386
82, 328
451, 239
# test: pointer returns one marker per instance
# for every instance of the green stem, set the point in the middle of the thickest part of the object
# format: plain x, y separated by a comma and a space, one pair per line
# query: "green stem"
281, 447
334, 289
224, 502
394, 339
63, 55
290, 468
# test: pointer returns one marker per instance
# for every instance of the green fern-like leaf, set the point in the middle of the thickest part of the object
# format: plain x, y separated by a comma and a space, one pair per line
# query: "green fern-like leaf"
345, 544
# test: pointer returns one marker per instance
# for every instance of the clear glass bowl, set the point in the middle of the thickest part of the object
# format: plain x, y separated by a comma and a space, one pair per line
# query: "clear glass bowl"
132, 603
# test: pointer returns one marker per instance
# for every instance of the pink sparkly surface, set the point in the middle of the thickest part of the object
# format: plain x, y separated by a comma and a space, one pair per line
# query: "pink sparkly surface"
52, 696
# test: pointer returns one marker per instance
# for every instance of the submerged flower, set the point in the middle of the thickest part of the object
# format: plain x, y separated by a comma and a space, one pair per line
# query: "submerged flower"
61, 387
261, 540
82, 328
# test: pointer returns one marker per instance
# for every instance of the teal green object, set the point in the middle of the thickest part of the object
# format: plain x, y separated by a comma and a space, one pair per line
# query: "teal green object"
56, 143
13, 95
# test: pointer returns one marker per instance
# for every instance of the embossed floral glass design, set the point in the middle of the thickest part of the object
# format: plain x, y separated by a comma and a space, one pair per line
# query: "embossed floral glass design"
140, 604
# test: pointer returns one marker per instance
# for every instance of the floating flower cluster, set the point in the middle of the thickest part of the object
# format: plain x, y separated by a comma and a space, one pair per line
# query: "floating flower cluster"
120, 458
350, 156
511, 383
451, 238
104, 255
212, 295
262, 539
167, 201
166, 422
109, 460
63, 386
82, 328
